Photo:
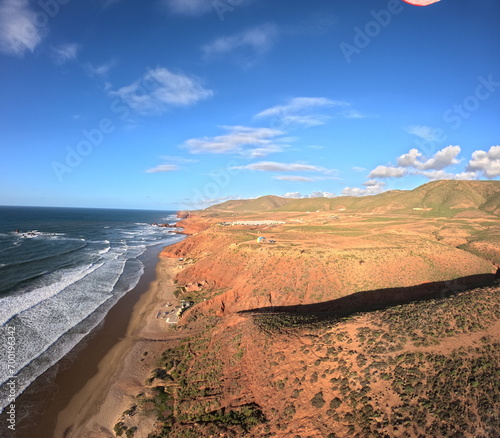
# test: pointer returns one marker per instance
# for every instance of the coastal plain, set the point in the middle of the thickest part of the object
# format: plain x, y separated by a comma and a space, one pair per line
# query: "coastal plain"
359, 317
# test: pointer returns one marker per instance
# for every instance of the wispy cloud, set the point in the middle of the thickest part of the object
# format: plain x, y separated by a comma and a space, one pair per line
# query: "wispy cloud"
299, 104
307, 112
294, 178
258, 40
65, 52
108, 3
272, 166
207, 202
189, 7
426, 132
178, 160
353, 114
486, 163
241, 140
163, 168
160, 89
358, 169
171, 164
102, 69
18, 28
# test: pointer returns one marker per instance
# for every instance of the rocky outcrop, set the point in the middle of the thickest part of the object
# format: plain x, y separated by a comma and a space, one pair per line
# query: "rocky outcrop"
164, 225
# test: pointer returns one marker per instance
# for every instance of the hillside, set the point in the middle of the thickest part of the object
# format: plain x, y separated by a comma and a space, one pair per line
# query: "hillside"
445, 197
372, 317
264, 203
423, 369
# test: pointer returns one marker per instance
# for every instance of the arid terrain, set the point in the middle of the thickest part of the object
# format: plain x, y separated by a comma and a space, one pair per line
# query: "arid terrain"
354, 317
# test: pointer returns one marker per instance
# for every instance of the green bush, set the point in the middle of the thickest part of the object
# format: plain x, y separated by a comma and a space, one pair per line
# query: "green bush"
318, 401
335, 403
119, 428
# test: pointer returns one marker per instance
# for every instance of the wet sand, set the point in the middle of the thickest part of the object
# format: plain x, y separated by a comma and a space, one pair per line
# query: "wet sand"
87, 391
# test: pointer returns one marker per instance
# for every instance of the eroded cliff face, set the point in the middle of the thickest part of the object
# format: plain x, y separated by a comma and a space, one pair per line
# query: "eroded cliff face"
305, 268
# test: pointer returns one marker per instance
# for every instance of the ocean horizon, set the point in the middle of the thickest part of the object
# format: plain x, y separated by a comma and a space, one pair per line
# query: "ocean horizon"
61, 270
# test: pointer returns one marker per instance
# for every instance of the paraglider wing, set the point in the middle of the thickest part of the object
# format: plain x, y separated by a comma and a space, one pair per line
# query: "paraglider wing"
421, 2
261, 239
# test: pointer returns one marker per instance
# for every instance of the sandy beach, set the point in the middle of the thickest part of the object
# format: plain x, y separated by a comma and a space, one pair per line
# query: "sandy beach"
122, 372
95, 385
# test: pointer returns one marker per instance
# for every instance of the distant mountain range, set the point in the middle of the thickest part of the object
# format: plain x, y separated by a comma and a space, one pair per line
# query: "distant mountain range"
443, 198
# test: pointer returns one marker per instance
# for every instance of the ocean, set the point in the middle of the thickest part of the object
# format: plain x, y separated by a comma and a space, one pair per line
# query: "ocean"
61, 270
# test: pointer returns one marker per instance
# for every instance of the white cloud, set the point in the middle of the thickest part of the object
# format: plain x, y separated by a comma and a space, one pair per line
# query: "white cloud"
171, 164
427, 133
443, 158
65, 52
294, 178
486, 163
189, 7
304, 120
358, 169
160, 89
259, 39
200, 203
298, 195
466, 175
179, 160
272, 166
373, 187
100, 70
252, 142
299, 104
387, 172
412, 163
263, 151
18, 28
305, 111
322, 195
353, 114
437, 174
441, 174
163, 168
410, 159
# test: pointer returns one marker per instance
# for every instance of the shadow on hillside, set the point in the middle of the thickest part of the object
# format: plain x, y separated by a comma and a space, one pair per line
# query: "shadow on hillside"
380, 299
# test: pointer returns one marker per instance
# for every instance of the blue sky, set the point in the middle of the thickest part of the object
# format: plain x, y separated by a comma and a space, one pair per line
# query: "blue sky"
177, 104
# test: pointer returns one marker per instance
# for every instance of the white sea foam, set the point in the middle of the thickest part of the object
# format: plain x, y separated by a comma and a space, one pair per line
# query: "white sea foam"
47, 347
50, 320
46, 321
35, 233
14, 304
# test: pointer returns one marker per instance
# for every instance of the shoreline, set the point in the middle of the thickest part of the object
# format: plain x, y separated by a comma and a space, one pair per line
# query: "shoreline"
91, 375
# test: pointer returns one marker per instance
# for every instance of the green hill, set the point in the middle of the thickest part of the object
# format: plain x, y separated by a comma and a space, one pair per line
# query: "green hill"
264, 203
444, 197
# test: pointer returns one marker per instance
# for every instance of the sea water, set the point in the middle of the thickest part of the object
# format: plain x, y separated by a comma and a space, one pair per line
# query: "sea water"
61, 270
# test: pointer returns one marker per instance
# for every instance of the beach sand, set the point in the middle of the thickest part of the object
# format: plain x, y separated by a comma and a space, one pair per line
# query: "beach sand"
96, 383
